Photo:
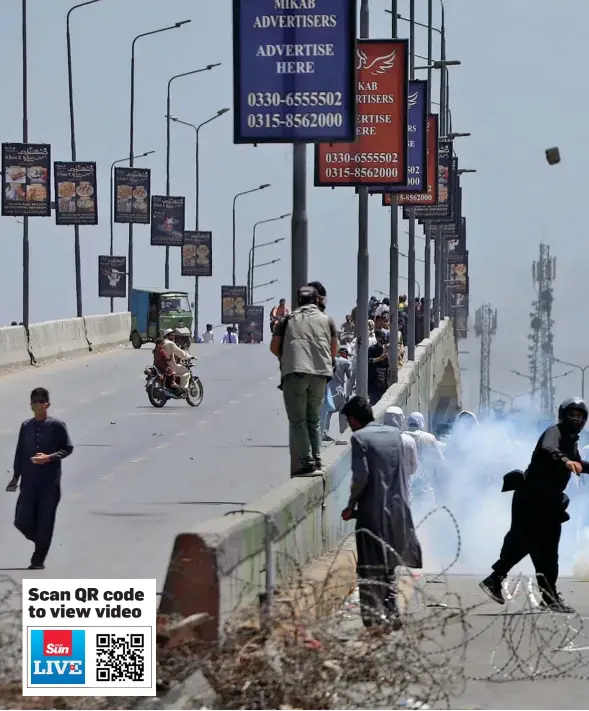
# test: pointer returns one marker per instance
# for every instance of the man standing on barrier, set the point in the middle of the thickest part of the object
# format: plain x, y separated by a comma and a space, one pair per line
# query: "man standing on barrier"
380, 502
43, 442
539, 504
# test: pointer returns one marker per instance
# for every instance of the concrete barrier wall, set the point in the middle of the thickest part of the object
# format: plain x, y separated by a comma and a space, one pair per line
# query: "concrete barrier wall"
57, 339
110, 330
13, 348
220, 565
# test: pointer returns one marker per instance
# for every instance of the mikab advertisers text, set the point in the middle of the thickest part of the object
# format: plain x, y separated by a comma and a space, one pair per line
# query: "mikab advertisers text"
132, 195
26, 172
167, 221
112, 276
89, 637
378, 156
416, 141
294, 70
252, 329
430, 195
75, 193
233, 300
197, 254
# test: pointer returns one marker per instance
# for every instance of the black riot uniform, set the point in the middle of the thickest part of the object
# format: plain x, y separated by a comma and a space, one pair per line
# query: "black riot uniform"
539, 505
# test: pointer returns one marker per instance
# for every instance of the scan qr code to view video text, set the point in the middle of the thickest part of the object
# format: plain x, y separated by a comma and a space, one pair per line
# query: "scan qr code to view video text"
120, 657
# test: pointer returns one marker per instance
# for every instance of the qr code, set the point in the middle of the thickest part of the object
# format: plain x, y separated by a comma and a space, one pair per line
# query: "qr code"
120, 658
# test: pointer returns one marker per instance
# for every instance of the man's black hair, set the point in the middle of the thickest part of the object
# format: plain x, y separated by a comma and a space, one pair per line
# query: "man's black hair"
307, 295
319, 287
209, 325
40, 394
358, 408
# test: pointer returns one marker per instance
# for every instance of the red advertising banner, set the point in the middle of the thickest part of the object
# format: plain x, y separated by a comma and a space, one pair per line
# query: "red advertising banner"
378, 156
431, 196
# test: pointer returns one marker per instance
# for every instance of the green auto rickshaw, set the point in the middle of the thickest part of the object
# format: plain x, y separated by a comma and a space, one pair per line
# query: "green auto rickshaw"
153, 311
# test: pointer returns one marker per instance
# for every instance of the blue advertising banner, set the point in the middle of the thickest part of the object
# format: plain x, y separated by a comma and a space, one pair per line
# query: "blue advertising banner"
416, 142
294, 71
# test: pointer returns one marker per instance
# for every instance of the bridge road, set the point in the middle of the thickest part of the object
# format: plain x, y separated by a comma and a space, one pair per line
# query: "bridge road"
139, 475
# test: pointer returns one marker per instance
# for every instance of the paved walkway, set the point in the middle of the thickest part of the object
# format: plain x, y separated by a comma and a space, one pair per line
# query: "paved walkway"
481, 655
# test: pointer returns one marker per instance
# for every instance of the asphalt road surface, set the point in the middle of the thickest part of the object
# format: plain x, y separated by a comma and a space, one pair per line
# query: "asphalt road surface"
138, 476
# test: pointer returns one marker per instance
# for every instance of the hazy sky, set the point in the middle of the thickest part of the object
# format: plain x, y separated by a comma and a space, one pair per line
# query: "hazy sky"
516, 91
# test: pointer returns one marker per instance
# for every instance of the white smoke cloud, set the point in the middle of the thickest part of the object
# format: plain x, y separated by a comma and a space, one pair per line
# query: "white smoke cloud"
477, 460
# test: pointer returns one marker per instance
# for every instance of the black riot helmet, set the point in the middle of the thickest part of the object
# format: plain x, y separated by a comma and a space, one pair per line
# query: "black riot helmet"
567, 413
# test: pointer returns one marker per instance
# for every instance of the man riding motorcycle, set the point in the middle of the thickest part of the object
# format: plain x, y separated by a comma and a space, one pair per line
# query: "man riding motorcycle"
176, 354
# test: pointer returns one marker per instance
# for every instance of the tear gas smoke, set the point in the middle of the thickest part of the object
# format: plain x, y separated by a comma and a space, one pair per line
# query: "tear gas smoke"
477, 458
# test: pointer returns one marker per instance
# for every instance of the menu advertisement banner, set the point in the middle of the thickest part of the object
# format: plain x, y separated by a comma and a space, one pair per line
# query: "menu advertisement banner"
378, 156
430, 195
112, 277
233, 299
443, 208
294, 71
252, 329
458, 275
167, 220
75, 193
197, 254
416, 141
26, 172
132, 188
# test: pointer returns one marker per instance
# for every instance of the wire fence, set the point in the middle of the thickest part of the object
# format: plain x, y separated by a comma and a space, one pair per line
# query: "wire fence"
320, 656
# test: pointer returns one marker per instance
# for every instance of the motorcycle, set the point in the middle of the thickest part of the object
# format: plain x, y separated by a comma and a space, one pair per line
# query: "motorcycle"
159, 393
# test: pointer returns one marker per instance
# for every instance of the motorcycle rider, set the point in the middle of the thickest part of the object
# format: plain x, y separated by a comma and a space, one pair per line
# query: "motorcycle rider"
177, 354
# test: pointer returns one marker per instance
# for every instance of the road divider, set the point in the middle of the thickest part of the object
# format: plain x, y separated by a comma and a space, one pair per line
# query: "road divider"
220, 566
57, 339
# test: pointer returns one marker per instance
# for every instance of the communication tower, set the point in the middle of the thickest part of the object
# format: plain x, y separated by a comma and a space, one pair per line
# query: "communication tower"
540, 349
485, 326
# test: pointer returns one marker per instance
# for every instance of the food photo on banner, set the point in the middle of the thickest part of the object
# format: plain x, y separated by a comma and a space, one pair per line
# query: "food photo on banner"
442, 209
416, 142
197, 254
26, 173
458, 274
132, 188
252, 329
285, 96
167, 220
233, 300
112, 276
75, 193
429, 195
378, 156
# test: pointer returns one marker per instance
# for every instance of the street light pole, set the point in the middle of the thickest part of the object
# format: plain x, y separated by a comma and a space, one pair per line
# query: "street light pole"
112, 200
583, 370
196, 193
132, 137
427, 256
168, 150
25, 138
77, 256
245, 192
394, 256
253, 251
411, 331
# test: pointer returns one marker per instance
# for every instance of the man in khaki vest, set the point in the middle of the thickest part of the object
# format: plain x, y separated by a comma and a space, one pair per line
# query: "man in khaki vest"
305, 342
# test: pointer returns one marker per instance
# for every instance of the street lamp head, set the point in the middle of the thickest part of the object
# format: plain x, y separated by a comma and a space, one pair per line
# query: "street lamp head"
466, 170
212, 66
280, 239
184, 22
266, 185
440, 63
220, 112
286, 214
147, 153
451, 136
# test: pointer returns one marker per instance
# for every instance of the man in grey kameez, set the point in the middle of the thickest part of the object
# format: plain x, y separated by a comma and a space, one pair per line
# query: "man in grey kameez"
380, 501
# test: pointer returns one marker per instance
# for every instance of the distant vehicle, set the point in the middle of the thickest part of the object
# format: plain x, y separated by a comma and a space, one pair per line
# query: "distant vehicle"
155, 310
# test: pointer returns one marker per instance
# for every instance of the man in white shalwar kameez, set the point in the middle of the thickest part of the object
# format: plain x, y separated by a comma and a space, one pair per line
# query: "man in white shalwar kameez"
395, 418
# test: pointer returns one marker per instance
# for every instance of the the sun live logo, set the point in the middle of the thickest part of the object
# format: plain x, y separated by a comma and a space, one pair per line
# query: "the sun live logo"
57, 656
